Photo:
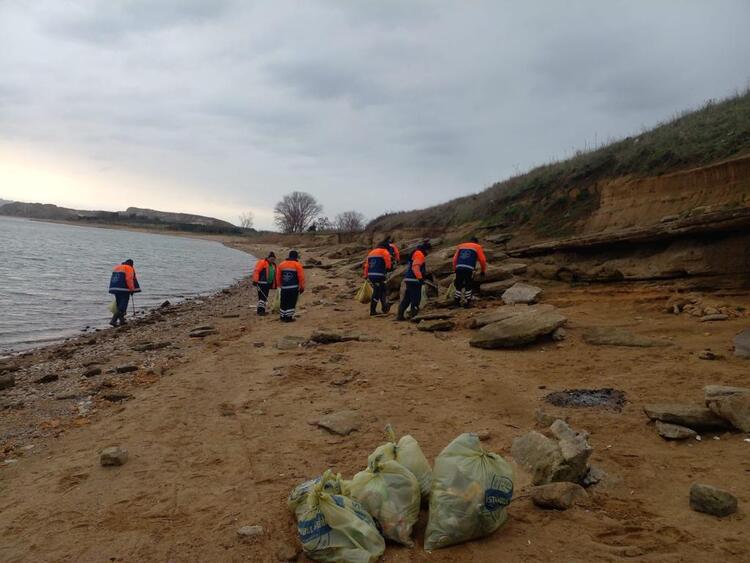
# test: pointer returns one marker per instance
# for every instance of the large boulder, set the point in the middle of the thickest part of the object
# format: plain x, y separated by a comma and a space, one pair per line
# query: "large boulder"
692, 416
742, 344
518, 330
505, 312
549, 460
522, 293
617, 336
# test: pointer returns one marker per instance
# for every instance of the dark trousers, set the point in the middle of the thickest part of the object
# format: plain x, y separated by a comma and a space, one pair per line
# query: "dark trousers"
263, 289
379, 294
288, 300
122, 298
412, 297
464, 282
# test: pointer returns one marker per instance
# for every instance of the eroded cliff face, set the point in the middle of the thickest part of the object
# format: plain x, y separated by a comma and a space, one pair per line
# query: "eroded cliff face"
628, 202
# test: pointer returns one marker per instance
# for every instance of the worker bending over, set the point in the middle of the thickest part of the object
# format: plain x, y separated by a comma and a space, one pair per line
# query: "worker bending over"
464, 264
264, 278
122, 284
377, 265
416, 270
290, 279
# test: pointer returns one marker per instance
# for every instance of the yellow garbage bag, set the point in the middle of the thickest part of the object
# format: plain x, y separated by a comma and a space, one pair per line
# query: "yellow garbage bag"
331, 483
390, 493
408, 453
113, 307
276, 303
450, 293
336, 528
364, 293
471, 489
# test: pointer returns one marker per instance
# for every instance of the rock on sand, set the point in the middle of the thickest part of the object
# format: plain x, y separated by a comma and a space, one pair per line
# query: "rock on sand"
708, 499
518, 329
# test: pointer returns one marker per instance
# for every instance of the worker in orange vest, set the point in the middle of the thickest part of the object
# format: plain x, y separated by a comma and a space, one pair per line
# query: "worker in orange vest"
290, 279
416, 272
264, 278
122, 284
377, 265
464, 263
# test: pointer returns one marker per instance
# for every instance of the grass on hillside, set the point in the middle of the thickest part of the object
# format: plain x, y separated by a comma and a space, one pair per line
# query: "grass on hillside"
553, 196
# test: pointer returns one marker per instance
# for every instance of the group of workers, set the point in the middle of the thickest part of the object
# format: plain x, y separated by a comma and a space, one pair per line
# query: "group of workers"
385, 257
289, 278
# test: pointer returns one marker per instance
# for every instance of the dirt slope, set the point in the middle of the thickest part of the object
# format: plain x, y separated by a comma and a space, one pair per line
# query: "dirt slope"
220, 439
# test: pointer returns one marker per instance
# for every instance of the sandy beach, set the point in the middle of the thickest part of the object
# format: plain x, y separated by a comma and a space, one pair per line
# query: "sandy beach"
219, 429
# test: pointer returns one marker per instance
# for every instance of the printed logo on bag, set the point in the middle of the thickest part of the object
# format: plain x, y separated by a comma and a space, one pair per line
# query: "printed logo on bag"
465, 254
287, 275
313, 528
498, 494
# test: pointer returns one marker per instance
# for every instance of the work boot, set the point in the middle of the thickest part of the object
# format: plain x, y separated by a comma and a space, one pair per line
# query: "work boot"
115, 317
400, 315
386, 308
373, 309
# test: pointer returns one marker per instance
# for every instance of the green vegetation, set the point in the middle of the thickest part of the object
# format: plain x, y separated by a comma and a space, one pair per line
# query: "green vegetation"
551, 198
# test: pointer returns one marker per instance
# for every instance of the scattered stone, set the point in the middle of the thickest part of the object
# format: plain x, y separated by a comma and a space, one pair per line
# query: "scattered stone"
559, 496
342, 423
708, 355
506, 312
287, 553
742, 344
436, 326
521, 328
606, 397
148, 346
549, 460
7, 381
116, 397
259, 344
692, 416
559, 334
484, 435
522, 293
324, 336
290, 342
249, 532
594, 476
164, 305
734, 408
49, 378
91, 372
674, 431
113, 455
616, 336
714, 317
710, 500
125, 369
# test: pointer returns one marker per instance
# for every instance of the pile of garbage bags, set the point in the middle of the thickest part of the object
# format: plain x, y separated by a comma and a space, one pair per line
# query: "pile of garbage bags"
348, 521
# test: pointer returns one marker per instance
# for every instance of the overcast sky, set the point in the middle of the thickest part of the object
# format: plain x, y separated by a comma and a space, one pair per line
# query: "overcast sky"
222, 106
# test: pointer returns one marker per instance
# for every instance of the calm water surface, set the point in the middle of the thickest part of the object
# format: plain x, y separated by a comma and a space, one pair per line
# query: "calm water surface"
54, 278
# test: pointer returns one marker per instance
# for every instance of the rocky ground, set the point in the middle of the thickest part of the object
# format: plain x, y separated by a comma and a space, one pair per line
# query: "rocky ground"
221, 425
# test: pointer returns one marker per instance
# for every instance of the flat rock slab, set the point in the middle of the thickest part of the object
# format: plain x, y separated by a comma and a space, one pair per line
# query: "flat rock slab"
674, 431
290, 342
113, 456
714, 317
615, 336
693, 416
505, 312
711, 500
742, 344
324, 336
716, 391
517, 330
496, 288
522, 293
202, 333
432, 317
559, 496
436, 326
342, 423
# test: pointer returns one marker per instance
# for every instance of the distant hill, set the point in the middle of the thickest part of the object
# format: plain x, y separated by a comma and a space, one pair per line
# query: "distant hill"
4, 202
132, 216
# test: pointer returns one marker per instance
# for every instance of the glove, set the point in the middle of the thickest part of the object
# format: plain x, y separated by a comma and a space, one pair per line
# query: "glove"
301, 290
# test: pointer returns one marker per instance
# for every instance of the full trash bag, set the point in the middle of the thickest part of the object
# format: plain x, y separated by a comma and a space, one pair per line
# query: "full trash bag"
390, 493
113, 307
471, 489
450, 293
408, 453
364, 293
333, 527
331, 483
276, 303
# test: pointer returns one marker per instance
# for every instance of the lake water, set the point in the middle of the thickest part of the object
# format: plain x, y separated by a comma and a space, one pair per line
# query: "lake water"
54, 278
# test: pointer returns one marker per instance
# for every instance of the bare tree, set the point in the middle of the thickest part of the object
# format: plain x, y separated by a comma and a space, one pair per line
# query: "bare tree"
349, 222
296, 212
246, 220
323, 224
